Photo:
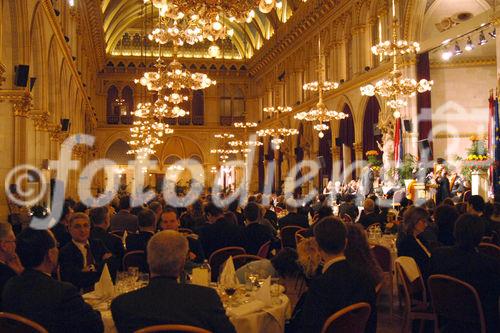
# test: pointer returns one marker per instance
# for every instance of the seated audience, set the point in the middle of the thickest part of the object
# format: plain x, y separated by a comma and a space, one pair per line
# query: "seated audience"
358, 253
157, 209
409, 243
82, 260
350, 209
9, 261
369, 216
341, 284
164, 301
254, 233
293, 218
464, 262
444, 218
170, 221
60, 230
193, 218
218, 232
124, 220
99, 218
146, 220
34, 294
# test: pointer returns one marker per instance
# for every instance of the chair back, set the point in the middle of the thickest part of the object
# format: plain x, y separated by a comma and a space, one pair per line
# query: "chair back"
135, 259
118, 233
264, 250
287, 235
243, 259
351, 319
378, 289
383, 256
299, 235
172, 328
467, 195
346, 218
13, 323
185, 231
456, 302
490, 250
217, 258
398, 196
411, 279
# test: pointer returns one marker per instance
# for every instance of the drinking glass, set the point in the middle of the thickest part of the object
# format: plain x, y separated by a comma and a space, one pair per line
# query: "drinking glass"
229, 283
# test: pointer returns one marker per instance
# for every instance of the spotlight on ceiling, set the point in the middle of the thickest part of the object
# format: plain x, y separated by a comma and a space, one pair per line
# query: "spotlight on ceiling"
446, 55
493, 33
458, 50
482, 38
469, 46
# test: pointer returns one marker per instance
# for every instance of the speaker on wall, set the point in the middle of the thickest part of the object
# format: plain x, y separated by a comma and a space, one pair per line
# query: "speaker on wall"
22, 74
408, 125
65, 124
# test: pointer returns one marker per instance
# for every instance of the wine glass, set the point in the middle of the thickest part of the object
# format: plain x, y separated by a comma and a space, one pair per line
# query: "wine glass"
229, 284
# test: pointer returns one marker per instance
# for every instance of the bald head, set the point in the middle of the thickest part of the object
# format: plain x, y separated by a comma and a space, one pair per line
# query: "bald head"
369, 206
167, 251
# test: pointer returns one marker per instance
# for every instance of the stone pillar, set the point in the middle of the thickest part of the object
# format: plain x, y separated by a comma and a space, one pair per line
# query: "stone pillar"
357, 49
335, 163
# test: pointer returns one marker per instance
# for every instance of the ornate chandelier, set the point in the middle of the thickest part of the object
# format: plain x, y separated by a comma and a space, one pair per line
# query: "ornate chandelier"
277, 134
224, 152
396, 88
320, 114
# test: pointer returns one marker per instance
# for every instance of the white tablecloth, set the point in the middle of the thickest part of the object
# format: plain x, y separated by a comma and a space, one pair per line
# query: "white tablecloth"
269, 320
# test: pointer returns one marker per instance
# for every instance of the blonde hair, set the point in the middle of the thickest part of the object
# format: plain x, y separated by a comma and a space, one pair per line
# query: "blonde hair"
167, 251
309, 256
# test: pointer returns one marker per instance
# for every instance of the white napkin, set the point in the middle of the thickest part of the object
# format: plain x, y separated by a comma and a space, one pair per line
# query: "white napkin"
263, 294
104, 287
246, 309
200, 277
410, 267
228, 273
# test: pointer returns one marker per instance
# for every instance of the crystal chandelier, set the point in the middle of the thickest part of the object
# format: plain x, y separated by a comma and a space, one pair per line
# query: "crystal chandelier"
223, 152
277, 134
320, 114
396, 89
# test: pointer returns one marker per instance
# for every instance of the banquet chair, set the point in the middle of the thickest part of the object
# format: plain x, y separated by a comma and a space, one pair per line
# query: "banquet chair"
135, 259
384, 259
346, 218
416, 306
491, 250
118, 233
299, 235
243, 259
217, 258
456, 302
185, 231
264, 250
172, 328
378, 289
351, 319
287, 235
467, 195
13, 323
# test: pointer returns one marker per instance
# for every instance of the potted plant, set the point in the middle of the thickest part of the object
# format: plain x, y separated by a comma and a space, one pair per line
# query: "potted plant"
406, 170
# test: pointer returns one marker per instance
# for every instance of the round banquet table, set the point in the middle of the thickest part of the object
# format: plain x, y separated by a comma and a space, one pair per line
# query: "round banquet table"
270, 319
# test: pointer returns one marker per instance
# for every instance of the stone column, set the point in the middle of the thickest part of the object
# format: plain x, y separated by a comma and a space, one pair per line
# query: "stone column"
335, 163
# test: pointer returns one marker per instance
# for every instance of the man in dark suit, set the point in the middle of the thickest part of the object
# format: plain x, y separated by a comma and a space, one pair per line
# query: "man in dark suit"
124, 220
100, 224
369, 216
465, 263
218, 232
82, 260
60, 230
293, 218
147, 227
340, 285
34, 294
164, 301
169, 220
254, 233
9, 261
367, 178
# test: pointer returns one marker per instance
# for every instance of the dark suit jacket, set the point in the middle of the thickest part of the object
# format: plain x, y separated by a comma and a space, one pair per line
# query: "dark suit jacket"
164, 301
123, 220
5, 274
478, 270
341, 285
55, 305
254, 236
71, 264
139, 241
368, 219
112, 242
196, 248
293, 219
408, 247
61, 234
219, 234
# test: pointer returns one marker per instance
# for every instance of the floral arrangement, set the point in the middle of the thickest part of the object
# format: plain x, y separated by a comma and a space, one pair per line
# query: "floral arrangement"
477, 157
373, 158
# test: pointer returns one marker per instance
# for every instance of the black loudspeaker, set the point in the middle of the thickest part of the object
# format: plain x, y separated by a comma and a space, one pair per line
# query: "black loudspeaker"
322, 162
22, 74
425, 150
376, 130
65, 124
338, 142
408, 125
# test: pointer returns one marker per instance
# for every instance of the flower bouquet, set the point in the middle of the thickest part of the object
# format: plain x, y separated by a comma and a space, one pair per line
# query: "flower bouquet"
373, 158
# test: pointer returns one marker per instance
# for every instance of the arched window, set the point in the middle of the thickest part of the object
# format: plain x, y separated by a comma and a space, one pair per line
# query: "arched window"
225, 101
112, 112
238, 103
232, 104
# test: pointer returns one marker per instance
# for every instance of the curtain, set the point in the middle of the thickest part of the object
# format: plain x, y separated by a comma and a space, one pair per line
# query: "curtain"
370, 126
424, 111
346, 136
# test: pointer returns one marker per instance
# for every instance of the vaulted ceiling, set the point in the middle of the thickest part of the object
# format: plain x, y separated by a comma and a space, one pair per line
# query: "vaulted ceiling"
125, 22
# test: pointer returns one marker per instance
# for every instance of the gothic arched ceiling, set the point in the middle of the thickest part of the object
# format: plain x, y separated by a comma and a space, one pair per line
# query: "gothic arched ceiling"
125, 22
